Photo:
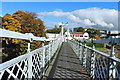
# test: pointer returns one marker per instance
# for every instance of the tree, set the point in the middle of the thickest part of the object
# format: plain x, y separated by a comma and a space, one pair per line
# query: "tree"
80, 29
55, 30
60, 26
23, 22
93, 32
30, 23
55, 26
10, 23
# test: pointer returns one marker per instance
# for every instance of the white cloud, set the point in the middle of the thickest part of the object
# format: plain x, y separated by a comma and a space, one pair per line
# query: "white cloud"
95, 17
50, 25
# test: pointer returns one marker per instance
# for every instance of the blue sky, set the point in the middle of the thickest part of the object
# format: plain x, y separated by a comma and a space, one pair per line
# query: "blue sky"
60, 0
71, 8
11, 7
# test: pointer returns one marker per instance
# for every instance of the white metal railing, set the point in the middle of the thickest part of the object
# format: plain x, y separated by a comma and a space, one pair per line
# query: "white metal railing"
109, 40
100, 65
27, 36
33, 63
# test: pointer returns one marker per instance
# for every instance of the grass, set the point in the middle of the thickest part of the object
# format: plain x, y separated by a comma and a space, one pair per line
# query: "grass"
100, 48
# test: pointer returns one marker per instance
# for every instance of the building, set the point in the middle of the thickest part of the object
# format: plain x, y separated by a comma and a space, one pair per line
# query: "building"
77, 35
80, 35
103, 34
51, 35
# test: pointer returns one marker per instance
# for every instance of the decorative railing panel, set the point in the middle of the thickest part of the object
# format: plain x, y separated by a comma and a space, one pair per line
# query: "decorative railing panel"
101, 66
17, 70
32, 64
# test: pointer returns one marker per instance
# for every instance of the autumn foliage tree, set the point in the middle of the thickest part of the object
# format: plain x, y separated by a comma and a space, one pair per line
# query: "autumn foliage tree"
11, 24
23, 22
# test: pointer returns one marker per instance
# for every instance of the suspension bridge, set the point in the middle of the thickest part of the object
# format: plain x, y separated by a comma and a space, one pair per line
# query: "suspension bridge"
61, 59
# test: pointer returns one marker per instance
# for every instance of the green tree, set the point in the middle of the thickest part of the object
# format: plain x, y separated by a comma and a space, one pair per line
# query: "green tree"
60, 26
93, 32
55, 26
80, 29
55, 30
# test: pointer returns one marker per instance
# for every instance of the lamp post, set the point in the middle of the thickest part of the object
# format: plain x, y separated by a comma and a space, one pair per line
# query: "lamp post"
62, 30
68, 33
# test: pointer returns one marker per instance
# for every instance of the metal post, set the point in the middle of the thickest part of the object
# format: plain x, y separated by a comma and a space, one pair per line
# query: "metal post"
112, 64
49, 53
29, 62
93, 62
112, 51
43, 58
28, 50
51, 50
85, 56
62, 34
80, 51
67, 34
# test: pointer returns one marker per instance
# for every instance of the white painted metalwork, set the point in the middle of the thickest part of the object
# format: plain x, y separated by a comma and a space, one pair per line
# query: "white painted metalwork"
27, 36
109, 40
101, 66
33, 63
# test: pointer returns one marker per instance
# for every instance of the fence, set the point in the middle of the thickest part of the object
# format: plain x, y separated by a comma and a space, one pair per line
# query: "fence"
32, 64
100, 65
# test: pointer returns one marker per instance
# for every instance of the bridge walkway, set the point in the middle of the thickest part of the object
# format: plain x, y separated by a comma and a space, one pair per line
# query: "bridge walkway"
67, 66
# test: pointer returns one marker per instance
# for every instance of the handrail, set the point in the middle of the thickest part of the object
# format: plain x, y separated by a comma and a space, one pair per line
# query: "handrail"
13, 61
33, 63
109, 40
27, 36
100, 65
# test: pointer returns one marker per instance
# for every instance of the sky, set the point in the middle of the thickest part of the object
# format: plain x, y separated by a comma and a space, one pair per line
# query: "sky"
60, 0
101, 15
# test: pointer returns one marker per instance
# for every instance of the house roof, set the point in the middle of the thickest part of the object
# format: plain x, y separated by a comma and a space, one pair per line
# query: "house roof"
76, 33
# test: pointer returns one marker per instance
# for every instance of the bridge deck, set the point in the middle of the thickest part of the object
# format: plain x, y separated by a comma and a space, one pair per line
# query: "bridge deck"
67, 65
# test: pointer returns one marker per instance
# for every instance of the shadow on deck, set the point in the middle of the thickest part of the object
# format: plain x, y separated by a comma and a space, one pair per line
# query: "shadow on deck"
67, 66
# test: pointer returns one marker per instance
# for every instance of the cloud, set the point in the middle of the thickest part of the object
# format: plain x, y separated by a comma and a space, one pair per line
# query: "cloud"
50, 25
90, 17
